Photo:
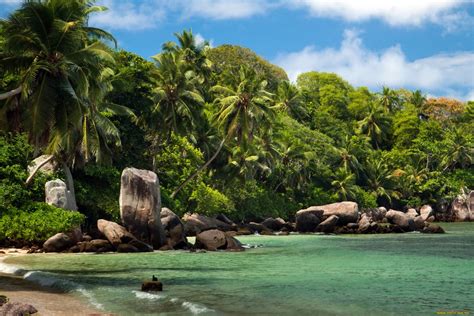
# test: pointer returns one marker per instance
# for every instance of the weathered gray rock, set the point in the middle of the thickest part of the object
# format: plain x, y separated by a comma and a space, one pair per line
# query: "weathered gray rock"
17, 309
56, 193
308, 219
364, 224
419, 222
274, 224
426, 211
174, 229
462, 208
115, 233
328, 225
412, 213
232, 243
433, 229
211, 240
58, 243
376, 214
96, 245
48, 168
347, 212
225, 219
140, 206
196, 223
400, 219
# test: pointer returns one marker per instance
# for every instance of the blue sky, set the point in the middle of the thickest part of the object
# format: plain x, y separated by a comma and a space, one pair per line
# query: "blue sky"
415, 44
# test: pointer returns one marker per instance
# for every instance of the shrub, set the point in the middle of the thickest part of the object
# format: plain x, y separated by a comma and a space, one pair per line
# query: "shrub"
36, 224
211, 202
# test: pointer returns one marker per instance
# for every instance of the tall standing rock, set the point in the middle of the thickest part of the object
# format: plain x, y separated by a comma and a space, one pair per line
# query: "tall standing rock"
140, 206
462, 208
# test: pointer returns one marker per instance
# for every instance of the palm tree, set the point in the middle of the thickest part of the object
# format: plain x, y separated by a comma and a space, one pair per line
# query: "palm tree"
459, 150
389, 99
178, 102
245, 107
288, 99
418, 99
344, 184
379, 178
59, 60
375, 125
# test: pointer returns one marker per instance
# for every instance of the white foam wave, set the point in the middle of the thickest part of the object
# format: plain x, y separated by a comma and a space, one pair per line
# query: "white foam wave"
10, 269
196, 309
91, 298
148, 296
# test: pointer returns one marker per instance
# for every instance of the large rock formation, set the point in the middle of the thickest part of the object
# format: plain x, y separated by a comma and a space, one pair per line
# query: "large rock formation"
426, 211
58, 243
347, 212
215, 239
275, 224
174, 229
412, 213
140, 206
56, 193
400, 219
328, 225
308, 219
462, 208
120, 238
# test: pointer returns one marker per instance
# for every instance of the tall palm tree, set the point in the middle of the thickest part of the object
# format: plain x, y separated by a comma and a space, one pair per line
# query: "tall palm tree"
245, 107
344, 184
375, 125
178, 102
418, 99
389, 99
59, 60
288, 99
379, 179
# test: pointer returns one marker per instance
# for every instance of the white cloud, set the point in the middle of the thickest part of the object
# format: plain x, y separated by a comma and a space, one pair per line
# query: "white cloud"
10, 2
199, 39
441, 73
394, 12
128, 15
222, 9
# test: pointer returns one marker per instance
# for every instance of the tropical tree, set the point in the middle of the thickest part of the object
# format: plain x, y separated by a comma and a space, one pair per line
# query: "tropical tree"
288, 99
418, 99
375, 125
344, 184
389, 99
60, 61
244, 108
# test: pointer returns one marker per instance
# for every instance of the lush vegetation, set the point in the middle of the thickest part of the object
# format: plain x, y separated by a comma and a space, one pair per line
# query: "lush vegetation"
224, 129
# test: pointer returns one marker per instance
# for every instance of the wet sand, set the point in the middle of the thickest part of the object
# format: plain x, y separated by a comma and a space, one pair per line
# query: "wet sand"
46, 300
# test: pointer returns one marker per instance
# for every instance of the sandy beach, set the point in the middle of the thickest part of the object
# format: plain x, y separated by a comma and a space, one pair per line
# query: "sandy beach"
46, 300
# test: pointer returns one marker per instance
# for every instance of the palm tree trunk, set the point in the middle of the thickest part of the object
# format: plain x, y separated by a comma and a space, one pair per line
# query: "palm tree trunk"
11, 93
192, 176
37, 168
72, 205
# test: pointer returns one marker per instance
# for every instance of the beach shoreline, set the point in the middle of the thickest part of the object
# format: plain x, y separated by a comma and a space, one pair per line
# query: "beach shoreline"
47, 300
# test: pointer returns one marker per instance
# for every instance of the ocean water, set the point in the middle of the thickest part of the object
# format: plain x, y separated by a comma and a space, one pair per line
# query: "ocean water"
396, 274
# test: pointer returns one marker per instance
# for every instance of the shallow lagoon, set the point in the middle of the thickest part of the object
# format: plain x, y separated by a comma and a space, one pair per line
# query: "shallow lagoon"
396, 274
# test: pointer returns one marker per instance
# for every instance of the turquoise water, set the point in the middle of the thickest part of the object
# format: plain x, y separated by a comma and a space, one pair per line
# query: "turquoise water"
402, 274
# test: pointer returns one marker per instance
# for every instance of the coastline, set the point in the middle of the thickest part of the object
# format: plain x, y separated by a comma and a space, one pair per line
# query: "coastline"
46, 300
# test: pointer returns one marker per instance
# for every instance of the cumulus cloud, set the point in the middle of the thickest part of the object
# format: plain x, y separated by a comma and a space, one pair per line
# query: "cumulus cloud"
128, 15
441, 73
394, 12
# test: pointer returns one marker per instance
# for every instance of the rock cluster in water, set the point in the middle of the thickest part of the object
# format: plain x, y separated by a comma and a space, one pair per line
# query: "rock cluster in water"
146, 226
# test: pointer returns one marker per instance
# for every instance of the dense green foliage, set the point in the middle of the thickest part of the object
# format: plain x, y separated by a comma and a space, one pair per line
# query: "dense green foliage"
225, 130
21, 218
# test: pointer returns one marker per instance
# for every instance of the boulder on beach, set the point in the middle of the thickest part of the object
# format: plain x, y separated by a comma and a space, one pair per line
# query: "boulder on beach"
412, 213
375, 214
274, 224
95, 245
56, 194
115, 233
308, 219
328, 225
426, 211
347, 212
433, 229
140, 206
58, 243
196, 223
215, 239
174, 229
259, 228
364, 224
419, 222
462, 207
400, 219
